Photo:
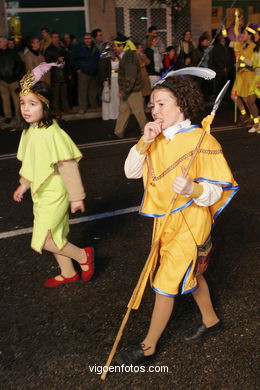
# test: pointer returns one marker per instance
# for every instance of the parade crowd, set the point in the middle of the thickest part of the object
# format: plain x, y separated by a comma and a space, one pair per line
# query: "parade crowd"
113, 76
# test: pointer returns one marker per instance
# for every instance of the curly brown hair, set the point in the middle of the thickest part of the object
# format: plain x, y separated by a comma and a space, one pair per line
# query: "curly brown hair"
187, 93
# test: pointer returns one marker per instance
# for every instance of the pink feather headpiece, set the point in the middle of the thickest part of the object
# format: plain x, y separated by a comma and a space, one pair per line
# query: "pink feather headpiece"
32, 77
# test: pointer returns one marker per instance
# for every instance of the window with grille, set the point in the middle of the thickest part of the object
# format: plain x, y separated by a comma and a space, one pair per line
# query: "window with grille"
134, 17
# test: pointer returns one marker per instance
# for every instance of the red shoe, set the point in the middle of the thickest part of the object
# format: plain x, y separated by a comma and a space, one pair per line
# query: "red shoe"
54, 282
87, 275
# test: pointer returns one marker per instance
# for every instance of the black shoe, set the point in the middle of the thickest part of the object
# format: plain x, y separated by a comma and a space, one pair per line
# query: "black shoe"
133, 355
201, 332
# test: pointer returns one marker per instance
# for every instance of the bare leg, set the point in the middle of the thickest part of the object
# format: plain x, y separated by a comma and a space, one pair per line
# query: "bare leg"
203, 300
161, 313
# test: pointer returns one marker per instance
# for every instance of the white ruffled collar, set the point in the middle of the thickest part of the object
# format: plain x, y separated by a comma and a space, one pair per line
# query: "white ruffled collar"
171, 131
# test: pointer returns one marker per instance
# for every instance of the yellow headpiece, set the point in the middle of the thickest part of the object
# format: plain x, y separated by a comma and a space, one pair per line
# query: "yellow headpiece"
26, 83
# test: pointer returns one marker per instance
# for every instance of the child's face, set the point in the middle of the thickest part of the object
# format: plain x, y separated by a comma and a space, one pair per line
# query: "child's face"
165, 109
31, 108
171, 53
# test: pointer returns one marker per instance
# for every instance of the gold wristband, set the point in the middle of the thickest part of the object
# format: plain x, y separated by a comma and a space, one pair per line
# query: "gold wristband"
142, 146
197, 190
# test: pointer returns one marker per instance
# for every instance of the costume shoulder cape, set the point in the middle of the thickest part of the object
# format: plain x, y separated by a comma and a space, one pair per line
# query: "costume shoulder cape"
40, 149
164, 161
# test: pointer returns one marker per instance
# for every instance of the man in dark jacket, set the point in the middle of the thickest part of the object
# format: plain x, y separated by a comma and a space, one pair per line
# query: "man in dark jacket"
84, 59
130, 85
11, 71
55, 52
220, 62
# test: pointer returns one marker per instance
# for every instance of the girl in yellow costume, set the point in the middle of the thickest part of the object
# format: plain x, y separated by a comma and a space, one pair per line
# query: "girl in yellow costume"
160, 157
244, 75
49, 168
254, 91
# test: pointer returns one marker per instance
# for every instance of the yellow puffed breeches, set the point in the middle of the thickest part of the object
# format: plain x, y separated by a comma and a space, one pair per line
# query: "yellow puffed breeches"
178, 249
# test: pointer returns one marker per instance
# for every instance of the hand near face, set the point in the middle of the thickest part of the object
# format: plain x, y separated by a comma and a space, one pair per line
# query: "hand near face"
77, 205
18, 193
182, 184
152, 130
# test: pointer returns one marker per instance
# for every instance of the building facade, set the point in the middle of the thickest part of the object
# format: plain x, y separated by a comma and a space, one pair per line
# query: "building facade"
130, 17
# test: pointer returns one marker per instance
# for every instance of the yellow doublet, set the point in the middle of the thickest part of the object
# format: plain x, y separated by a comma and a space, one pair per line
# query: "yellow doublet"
244, 77
188, 225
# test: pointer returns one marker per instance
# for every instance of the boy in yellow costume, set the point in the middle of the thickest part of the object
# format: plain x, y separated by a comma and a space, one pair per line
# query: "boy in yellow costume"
161, 156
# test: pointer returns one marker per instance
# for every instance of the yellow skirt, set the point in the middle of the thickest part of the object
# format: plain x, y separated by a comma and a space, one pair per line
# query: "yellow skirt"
50, 209
242, 83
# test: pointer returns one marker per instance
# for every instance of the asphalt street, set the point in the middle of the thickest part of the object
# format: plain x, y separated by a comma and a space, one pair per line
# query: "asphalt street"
53, 339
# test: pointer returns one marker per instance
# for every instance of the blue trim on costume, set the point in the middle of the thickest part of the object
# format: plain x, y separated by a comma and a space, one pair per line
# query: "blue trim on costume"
228, 187
163, 293
188, 129
235, 190
162, 215
228, 183
186, 277
189, 291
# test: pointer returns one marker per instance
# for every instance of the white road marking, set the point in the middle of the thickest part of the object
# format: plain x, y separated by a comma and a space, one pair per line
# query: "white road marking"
92, 145
74, 221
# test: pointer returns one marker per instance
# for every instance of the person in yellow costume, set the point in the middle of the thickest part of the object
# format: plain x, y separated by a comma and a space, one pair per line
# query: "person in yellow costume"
254, 91
160, 157
244, 76
50, 169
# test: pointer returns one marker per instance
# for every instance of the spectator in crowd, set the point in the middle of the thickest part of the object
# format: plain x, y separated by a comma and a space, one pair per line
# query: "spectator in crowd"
11, 44
187, 60
11, 70
201, 57
32, 57
206, 34
153, 33
199, 52
108, 80
69, 45
46, 39
73, 40
97, 36
130, 84
170, 58
220, 62
55, 52
143, 61
66, 41
84, 60
156, 59
185, 45
155, 67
